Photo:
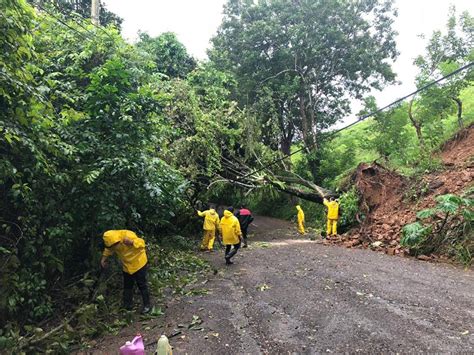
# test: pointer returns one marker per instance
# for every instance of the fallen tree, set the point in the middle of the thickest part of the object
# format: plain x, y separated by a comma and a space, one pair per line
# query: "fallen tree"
239, 174
299, 187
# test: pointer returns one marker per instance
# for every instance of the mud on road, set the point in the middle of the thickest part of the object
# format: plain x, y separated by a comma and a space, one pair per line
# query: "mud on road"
287, 294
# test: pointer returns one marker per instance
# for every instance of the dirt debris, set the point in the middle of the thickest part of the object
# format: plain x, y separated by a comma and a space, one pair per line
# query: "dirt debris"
389, 200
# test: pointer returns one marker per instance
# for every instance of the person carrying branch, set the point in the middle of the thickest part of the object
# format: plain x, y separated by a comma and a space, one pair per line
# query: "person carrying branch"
229, 228
130, 249
300, 218
333, 215
211, 223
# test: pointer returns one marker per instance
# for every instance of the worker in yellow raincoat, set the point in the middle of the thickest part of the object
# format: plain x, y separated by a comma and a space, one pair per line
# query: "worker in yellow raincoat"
229, 228
333, 215
211, 223
300, 218
130, 249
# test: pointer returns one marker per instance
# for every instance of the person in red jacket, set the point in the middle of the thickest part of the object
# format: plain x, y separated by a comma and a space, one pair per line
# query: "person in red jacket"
245, 218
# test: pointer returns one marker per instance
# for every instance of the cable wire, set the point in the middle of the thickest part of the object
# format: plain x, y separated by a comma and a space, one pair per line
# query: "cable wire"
64, 23
362, 118
75, 14
358, 120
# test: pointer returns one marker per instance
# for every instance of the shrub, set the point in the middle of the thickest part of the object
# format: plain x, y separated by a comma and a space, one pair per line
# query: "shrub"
349, 207
447, 227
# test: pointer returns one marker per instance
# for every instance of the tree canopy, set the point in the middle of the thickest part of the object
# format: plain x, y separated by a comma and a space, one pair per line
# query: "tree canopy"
168, 54
299, 65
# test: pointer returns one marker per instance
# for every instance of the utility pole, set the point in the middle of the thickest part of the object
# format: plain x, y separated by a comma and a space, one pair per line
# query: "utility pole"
95, 12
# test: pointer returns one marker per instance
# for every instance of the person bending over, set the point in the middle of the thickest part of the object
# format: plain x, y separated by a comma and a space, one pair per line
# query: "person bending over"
130, 249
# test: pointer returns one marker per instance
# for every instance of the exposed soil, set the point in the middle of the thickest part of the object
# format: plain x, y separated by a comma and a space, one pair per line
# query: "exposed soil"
389, 201
287, 294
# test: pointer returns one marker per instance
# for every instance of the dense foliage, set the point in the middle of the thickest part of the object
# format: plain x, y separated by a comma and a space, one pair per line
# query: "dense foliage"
95, 135
446, 228
79, 9
297, 66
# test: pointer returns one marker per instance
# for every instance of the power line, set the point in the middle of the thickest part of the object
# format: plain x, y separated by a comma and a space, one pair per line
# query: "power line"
76, 22
92, 23
362, 118
64, 23
406, 96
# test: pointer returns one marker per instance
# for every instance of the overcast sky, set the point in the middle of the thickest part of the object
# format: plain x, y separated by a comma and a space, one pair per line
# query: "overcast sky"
196, 21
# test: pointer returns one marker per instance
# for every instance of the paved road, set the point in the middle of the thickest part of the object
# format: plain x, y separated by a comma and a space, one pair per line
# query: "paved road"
292, 295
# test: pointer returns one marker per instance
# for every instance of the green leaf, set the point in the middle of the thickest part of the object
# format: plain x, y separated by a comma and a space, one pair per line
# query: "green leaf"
413, 234
8, 137
468, 215
4, 251
429, 212
92, 176
468, 202
448, 203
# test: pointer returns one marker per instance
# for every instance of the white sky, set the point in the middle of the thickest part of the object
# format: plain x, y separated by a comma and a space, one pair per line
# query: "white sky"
196, 21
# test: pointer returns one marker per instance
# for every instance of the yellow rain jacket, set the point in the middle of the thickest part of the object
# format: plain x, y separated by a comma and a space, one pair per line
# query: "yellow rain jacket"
211, 219
300, 218
333, 209
300, 214
133, 257
230, 229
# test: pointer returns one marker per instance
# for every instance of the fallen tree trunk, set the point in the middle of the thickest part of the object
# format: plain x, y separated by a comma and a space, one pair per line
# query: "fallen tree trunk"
315, 189
314, 196
242, 176
294, 186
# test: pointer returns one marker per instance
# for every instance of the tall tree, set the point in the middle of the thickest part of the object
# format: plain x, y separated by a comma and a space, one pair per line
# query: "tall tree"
168, 53
445, 52
298, 63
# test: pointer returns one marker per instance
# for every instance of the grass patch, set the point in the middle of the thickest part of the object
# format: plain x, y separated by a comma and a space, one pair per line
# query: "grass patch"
171, 271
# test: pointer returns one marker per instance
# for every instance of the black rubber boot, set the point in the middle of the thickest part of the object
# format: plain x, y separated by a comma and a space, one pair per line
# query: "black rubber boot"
128, 299
146, 299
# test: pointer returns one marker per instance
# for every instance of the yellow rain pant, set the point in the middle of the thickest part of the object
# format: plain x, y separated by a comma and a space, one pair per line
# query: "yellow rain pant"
332, 227
208, 239
301, 227
300, 219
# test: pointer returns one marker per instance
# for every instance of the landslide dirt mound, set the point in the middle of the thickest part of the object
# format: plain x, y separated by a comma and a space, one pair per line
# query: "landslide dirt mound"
389, 200
377, 186
459, 149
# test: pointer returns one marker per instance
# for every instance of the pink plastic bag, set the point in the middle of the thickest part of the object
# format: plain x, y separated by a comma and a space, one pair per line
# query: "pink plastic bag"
134, 347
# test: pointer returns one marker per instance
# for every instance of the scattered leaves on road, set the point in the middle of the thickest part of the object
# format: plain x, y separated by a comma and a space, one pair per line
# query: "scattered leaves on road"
261, 245
263, 287
195, 322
